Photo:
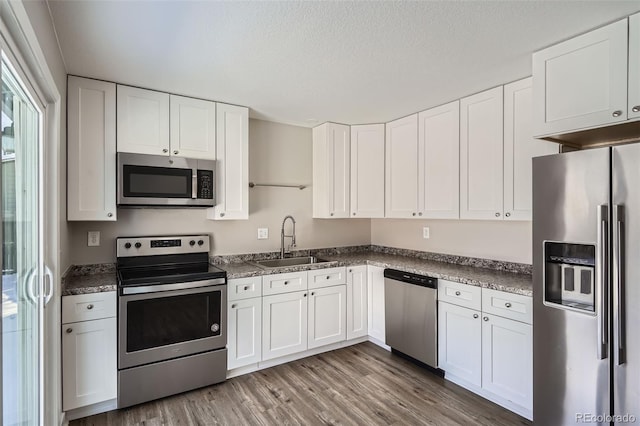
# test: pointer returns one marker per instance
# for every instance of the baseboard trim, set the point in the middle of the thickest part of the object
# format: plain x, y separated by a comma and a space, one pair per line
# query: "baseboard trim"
90, 410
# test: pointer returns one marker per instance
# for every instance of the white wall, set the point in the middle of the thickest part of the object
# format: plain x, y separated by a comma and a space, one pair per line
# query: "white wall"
498, 240
278, 153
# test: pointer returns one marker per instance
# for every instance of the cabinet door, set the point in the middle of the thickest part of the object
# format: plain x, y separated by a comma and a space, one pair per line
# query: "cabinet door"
284, 324
634, 67
582, 82
327, 316
375, 305
143, 121
89, 369
245, 332
193, 128
459, 342
367, 171
356, 302
331, 171
91, 149
439, 134
519, 149
507, 359
403, 182
232, 164
481, 155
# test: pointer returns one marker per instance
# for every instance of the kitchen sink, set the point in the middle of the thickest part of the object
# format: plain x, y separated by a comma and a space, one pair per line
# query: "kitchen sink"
289, 261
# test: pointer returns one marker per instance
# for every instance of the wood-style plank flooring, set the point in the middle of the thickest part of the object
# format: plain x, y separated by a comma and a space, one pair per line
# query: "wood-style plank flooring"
357, 385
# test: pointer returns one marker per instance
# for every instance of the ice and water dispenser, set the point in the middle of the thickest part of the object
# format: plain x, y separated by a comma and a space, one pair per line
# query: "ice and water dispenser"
569, 275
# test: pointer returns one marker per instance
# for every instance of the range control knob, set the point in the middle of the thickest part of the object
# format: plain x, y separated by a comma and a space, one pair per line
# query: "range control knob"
127, 245
200, 242
138, 245
192, 243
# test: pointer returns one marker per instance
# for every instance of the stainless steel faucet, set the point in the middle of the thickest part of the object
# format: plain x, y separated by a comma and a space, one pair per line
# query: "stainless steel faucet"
292, 236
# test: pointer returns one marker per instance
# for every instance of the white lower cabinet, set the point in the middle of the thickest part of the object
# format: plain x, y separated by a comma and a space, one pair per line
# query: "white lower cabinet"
89, 349
357, 302
459, 342
375, 296
327, 316
244, 338
284, 324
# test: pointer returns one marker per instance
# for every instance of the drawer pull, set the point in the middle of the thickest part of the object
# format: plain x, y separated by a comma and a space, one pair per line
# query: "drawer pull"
328, 277
485, 318
246, 287
89, 306
475, 315
457, 293
617, 113
233, 306
305, 295
508, 305
313, 293
286, 282
69, 330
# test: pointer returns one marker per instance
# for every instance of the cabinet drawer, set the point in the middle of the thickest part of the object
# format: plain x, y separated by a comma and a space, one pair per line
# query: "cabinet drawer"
84, 307
464, 295
284, 283
507, 305
327, 277
244, 288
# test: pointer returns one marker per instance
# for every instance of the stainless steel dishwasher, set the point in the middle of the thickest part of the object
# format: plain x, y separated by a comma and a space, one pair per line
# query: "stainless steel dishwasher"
411, 316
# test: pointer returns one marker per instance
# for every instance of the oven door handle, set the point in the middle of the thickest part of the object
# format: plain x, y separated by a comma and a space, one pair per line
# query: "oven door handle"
143, 289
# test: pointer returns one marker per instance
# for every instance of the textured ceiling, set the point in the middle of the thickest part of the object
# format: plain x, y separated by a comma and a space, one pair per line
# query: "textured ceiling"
295, 62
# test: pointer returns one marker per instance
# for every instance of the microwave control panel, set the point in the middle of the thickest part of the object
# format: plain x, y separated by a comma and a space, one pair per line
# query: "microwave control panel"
205, 184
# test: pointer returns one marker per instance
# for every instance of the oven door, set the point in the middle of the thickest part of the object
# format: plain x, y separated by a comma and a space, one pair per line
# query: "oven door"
170, 324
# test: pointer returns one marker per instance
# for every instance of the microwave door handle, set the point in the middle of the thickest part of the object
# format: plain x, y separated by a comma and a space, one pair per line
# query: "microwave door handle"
194, 186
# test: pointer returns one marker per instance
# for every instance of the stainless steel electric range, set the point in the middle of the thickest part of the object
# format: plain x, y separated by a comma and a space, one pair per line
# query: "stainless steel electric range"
172, 314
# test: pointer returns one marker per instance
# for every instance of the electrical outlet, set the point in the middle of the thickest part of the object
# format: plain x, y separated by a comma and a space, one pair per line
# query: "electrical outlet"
93, 238
425, 232
263, 233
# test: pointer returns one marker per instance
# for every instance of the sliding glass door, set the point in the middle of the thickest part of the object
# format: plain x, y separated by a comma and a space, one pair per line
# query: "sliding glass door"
22, 252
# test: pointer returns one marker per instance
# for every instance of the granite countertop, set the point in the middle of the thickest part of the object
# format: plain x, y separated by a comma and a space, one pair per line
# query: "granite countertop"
518, 283
87, 279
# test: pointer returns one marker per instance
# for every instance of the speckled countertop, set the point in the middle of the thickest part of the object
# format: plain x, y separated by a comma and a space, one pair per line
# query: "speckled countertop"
473, 271
518, 283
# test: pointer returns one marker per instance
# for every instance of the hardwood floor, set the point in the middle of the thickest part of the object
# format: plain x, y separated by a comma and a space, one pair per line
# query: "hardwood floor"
358, 385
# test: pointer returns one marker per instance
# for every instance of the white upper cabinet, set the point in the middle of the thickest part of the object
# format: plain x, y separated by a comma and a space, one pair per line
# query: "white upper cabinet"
367, 171
331, 174
232, 164
582, 82
519, 149
143, 121
439, 140
91, 150
633, 110
193, 128
481, 132
402, 159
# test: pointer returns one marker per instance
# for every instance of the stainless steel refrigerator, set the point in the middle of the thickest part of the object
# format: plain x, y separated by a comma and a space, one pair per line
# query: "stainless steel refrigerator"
586, 277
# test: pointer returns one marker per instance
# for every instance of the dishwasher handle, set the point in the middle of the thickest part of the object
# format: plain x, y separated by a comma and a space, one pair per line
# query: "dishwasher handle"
411, 278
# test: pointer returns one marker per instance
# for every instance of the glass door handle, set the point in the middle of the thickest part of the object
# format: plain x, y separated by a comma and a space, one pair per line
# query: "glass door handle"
48, 282
29, 287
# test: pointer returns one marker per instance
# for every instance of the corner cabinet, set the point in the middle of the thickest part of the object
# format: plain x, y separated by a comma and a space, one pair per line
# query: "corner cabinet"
367, 171
402, 168
331, 171
582, 82
232, 164
357, 302
91, 150
375, 296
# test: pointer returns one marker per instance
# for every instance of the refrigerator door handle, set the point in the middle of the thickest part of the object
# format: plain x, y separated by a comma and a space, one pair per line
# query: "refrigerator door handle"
601, 281
618, 272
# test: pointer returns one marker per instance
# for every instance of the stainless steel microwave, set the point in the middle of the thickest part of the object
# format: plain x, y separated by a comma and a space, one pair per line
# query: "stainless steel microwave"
162, 181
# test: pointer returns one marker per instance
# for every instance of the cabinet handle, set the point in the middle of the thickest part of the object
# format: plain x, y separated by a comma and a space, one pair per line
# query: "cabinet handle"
233, 306
286, 282
508, 305
413, 214
328, 277
497, 214
420, 214
636, 108
165, 150
354, 213
617, 113
507, 214
69, 330
109, 214
305, 295
89, 306
246, 287
350, 270
457, 293
331, 214
313, 293
485, 318
222, 214
475, 315
175, 152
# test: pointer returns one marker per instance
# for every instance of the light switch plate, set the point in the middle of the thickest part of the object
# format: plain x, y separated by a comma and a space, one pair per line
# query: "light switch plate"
425, 232
93, 238
263, 233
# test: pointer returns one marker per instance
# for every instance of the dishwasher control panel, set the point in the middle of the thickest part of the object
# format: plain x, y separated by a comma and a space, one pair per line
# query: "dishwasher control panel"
411, 278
